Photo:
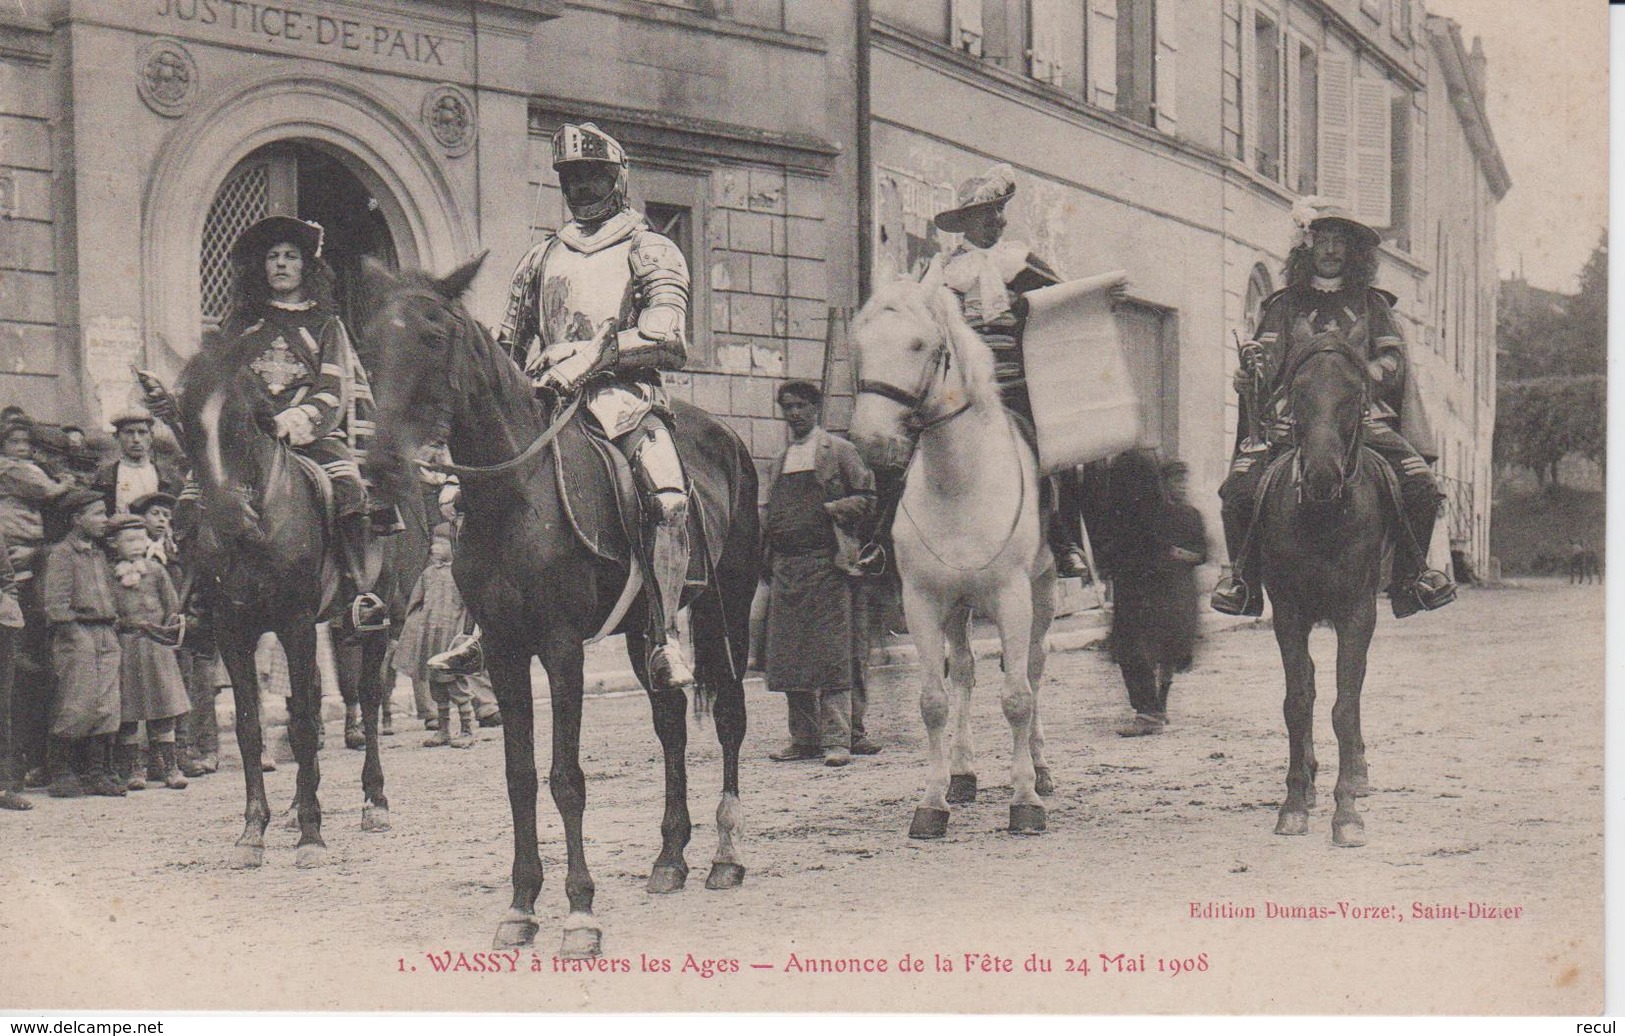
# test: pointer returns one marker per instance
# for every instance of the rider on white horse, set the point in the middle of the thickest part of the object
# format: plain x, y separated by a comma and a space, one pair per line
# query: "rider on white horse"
607, 267
989, 276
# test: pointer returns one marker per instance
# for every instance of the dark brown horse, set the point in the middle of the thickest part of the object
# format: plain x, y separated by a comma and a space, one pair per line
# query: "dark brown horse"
539, 590
1324, 526
259, 557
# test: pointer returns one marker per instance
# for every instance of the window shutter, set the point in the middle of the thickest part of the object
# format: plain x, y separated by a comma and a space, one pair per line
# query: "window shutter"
1419, 173
1292, 82
1165, 89
1249, 86
1373, 151
1102, 48
1336, 117
967, 18
1046, 65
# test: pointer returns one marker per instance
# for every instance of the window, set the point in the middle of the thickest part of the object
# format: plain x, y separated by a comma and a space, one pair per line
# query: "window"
1055, 44
1400, 24
1266, 69
1136, 49
242, 200
677, 223
1400, 187
1303, 115
966, 28
1259, 287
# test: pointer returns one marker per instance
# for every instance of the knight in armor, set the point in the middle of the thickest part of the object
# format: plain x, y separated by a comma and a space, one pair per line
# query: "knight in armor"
989, 275
1329, 274
601, 307
282, 299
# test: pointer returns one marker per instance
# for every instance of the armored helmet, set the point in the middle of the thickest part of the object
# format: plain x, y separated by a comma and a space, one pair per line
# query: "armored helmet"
585, 143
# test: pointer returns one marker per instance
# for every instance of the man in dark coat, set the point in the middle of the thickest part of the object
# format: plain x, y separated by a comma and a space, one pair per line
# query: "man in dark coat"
136, 472
1329, 275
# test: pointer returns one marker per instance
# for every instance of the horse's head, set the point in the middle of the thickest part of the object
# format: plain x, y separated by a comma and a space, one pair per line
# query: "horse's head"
1327, 396
916, 362
417, 330
225, 415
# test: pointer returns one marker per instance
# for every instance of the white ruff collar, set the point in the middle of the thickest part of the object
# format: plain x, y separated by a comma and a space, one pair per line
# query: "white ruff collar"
293, 307
1327, 284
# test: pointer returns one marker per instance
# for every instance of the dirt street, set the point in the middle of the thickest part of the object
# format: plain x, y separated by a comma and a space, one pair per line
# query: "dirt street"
1485, 730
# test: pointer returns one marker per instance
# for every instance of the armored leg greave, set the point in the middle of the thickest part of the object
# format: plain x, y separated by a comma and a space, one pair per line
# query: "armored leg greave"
660, 475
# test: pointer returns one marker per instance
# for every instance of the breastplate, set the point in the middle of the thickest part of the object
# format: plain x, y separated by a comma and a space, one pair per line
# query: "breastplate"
580, 291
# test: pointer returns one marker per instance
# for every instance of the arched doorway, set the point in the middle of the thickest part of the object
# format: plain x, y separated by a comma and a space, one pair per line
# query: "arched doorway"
314, 183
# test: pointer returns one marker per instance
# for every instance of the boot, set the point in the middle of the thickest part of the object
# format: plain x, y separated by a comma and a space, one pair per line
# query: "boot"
126, 767
465, 715
442, 733
355, 735
173, 778
668, 665
59, 762
1236, 596
99, 771
465, 657
386, 720
1417, 587
368, 612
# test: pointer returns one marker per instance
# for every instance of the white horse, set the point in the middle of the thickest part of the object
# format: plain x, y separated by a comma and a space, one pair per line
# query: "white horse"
967, 533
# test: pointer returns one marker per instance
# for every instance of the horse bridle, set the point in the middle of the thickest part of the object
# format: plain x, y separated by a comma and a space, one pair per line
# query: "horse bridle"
452, 338
1349, 469
916, 401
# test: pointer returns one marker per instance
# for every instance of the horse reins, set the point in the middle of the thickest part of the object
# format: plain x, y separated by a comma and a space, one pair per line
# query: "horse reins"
1349, 469
529, 453
916, 402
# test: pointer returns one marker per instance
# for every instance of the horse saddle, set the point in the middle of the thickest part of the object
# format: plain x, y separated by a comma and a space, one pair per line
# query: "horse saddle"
602, 502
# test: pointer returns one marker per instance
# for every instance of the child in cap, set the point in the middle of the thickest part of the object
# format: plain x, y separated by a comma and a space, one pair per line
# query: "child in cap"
149, 631
435, 616
84, 651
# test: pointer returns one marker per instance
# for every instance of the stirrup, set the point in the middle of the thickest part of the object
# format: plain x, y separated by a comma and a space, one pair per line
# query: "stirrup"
668, 669
1237, 598
871, 560
1430, 590
368, 613
1070, 562
465, 657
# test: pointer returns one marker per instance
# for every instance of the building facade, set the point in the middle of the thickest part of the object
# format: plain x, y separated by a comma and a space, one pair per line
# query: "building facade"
796, 151
142, 135
1169, 139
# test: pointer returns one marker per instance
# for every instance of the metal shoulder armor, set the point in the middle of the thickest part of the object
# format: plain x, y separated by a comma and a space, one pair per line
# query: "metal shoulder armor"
660, 299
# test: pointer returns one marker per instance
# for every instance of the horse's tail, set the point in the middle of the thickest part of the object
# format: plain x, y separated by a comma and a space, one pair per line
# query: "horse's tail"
721, 616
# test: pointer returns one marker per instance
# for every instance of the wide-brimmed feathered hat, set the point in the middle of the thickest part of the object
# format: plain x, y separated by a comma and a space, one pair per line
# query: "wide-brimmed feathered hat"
1312, 213
252, 244
994, 187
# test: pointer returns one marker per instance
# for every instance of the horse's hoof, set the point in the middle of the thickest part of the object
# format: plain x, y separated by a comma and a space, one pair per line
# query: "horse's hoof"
1292, 822
1348, 834
515, 934
247, 857
374, 818
725, 876
292, 823
310, 855
355, 739
581, 944
928, 823
1043, 783
1026, 819
961, 788
667, 878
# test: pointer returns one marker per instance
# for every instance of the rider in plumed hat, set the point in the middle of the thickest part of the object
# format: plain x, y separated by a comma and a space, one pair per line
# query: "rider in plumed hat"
282, 299
989, 274
1329, 275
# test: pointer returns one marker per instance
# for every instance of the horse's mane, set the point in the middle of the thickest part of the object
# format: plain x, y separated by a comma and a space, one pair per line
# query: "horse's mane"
935, 306
217, 367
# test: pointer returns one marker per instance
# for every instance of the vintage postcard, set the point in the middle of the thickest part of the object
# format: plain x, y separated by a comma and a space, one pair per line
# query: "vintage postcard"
1053, 506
